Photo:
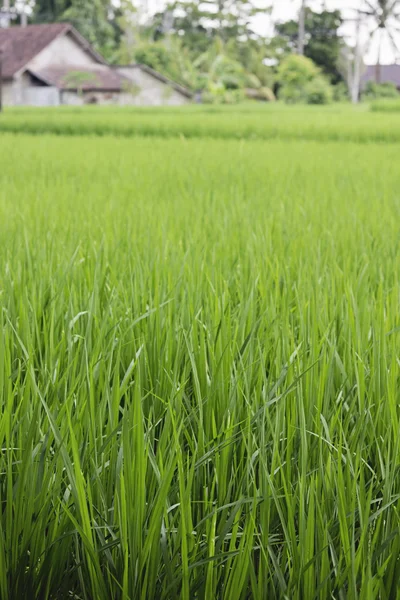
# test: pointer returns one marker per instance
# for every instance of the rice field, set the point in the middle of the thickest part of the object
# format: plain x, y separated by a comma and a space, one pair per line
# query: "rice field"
335, 123
386, 106
199, 360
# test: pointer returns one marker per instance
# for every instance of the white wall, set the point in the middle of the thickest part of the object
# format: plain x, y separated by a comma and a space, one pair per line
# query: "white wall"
71, 98
75, 99
13, 92
101, 98
62, 51
21, 92
146, 91
41, 96
8, 93
149, 91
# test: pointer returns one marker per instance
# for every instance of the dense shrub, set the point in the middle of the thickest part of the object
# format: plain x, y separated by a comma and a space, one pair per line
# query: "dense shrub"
155, 56
341, 92
292, 94
252, 81
230, 82
386, 105
375, 91
170, 62
219, 94
300, 80
222, 79
318, 91
262, 94
296, 71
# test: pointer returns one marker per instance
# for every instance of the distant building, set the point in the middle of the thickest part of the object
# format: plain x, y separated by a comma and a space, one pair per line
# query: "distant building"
49, 65
387, 74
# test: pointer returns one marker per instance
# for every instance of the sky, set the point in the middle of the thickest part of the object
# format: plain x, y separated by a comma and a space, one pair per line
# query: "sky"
288, 9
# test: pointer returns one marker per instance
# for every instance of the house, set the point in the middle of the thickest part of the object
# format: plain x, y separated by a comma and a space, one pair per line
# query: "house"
386, 74
49, 65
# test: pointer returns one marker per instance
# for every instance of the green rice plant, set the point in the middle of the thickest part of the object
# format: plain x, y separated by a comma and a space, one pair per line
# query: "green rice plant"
327, 124
199, 369
385, 106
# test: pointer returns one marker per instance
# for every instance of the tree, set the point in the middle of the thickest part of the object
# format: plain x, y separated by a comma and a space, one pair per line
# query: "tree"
300, 80
79, 80
127, 19
92, 20
351, 62
322, 42
251, 56
189, 25
350, 65
302, 28
297, 71
382, 16
217, 67
48, 11
199, 28
198, 23
234, 17
95, 20
21, 9
171, 61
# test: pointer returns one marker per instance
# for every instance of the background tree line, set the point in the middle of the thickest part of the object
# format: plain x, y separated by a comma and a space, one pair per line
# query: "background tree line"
212, 45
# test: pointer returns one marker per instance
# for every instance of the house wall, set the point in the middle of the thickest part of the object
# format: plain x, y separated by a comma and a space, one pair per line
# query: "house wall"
101, 98
8, 93
21, 92
149, 91
13, 92
75, 99
62, 51
145, 90
41, 96
71, 98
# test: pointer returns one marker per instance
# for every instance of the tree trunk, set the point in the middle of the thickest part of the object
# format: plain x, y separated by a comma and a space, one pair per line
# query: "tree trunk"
378, 70
6, 16
302, 28
355, 88
221, 15
378, 73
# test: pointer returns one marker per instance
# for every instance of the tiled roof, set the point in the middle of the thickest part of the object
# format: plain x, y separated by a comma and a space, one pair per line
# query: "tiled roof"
176, 86
88, 79
21, 44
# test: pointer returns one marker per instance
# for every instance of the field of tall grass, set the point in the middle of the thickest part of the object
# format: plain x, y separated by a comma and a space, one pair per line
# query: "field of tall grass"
199, 362
336, 123
386, 106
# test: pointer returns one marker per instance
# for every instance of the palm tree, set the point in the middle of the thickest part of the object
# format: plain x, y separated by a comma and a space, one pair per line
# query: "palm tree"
382, 16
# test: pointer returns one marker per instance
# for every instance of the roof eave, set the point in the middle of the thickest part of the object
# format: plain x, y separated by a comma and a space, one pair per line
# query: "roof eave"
40, 77
176, 86
91, 90
85, 45
25, 67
